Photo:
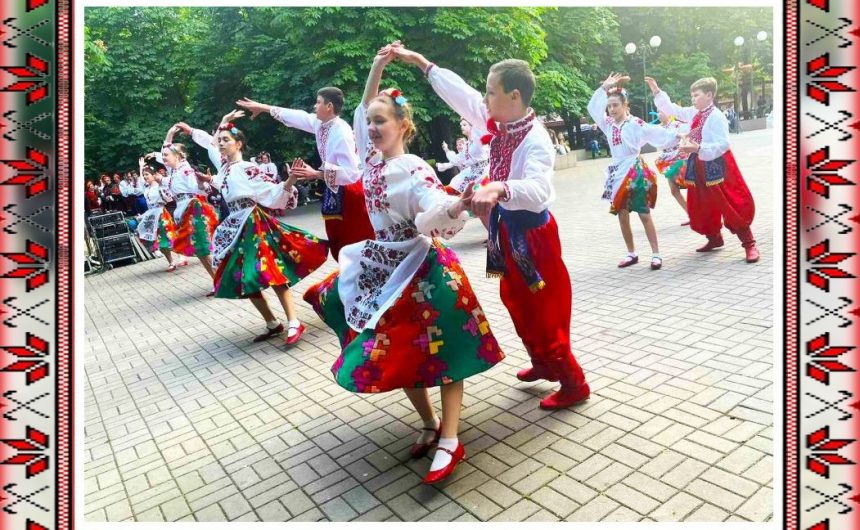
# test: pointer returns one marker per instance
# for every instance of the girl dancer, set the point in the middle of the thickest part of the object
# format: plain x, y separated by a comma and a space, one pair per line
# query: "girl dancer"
473, 161
630, 183
195, 217
401, 305
671, 160
156, 226
253, 250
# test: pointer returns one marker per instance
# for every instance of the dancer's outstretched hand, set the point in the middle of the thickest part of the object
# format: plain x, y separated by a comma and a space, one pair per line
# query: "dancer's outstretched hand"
291, 181
204, 178
183, 127
485, 198
254, 107
613, 80
689, 147
464, 204
385, 55
304, 171
652, 84
406, 55
232, 115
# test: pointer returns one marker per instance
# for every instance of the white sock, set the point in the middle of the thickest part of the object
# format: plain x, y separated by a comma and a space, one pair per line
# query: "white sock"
656, 256
294, 327
426, 435
273, 324
442, 459
632, 254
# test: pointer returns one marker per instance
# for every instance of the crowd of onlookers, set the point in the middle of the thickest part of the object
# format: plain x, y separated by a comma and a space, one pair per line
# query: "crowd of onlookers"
123, 192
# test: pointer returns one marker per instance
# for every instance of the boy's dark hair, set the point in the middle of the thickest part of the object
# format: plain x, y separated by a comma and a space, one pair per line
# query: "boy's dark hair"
516, 75
332, 95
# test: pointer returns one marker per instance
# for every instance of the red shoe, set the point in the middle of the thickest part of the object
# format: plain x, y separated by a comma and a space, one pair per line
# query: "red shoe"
270, 333
170, 268
565, 398
628, 261
418, 450
711, 245
295, 338
533, 374
528, 374
656, 263
211, 293
457, 455
182, 263
752, 254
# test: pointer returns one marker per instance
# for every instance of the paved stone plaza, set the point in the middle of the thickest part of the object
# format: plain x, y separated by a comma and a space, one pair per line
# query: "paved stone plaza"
187, 420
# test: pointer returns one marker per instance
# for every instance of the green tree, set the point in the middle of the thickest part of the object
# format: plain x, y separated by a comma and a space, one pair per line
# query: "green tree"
697, 42
133, 91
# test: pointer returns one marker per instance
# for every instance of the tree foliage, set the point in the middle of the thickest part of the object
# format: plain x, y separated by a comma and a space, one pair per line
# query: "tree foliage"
147, 68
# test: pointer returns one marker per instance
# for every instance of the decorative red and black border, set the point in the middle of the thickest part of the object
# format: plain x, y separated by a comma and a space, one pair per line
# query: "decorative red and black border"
822, 213
822, 127
35, 270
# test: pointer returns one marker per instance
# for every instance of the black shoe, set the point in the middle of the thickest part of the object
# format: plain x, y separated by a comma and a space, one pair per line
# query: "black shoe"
270, 333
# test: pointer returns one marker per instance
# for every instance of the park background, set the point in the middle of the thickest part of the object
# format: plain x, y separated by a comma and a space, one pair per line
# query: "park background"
149, 67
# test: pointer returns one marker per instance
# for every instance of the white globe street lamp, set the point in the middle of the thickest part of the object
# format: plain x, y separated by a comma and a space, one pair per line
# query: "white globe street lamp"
761, 36
644, 49
739, 41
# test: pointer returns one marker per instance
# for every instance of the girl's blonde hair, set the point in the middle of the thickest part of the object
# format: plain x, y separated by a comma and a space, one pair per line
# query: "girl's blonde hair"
177, 149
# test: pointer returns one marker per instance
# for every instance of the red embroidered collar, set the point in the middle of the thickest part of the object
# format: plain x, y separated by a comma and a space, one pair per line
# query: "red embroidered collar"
513, 127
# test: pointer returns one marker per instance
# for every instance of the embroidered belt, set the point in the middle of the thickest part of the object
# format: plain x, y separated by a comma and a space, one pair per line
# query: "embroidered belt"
715, 170
517, 223
241, 204
478, 167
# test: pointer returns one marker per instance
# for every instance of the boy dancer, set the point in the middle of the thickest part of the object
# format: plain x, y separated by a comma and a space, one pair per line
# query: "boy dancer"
524, 247
717, 192
343, 205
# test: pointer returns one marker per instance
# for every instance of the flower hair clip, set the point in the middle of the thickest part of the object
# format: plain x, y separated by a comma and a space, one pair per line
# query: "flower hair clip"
229, 127
397, 96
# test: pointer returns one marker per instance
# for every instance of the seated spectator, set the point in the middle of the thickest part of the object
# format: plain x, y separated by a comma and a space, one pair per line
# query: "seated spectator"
91, 198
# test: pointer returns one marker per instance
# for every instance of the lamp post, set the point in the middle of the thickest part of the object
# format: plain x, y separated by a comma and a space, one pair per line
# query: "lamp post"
644, 50
761, 36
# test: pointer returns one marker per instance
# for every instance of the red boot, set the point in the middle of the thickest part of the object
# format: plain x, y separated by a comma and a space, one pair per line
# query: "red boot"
565, 397
752, 254
748, 242
713, 242
534, 373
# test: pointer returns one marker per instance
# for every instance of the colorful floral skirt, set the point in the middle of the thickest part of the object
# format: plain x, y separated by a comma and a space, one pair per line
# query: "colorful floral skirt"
166, 232
672, 169
266, 253
195, 229
435, 333
638, 192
